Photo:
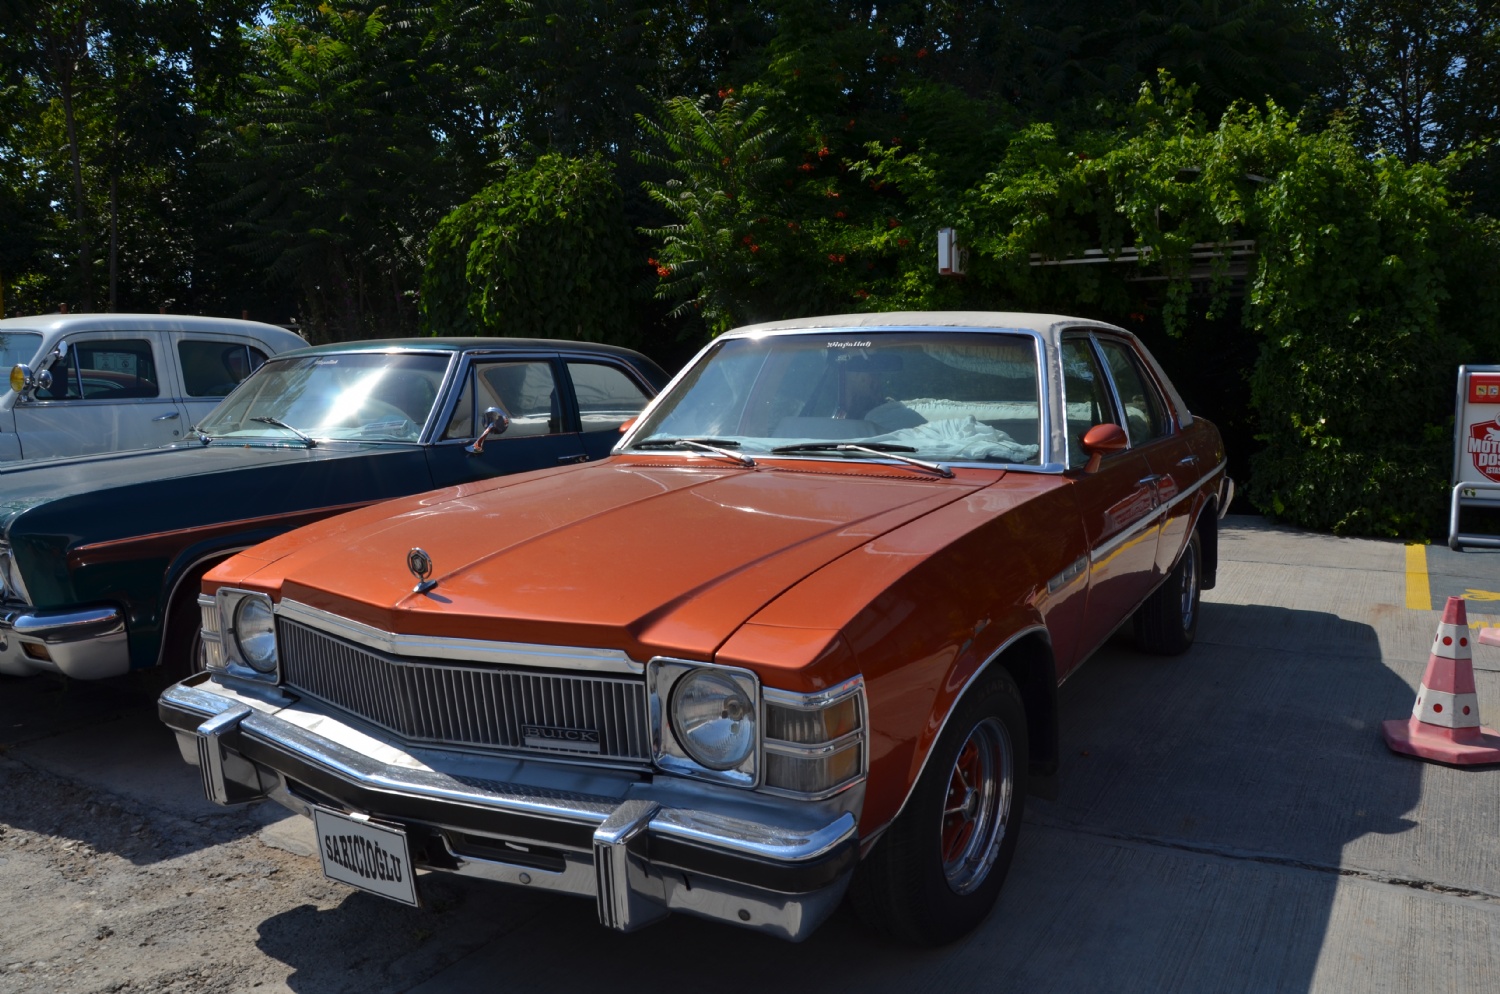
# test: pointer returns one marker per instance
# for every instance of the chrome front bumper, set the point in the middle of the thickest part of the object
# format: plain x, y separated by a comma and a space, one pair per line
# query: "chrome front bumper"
640, 848
87, 643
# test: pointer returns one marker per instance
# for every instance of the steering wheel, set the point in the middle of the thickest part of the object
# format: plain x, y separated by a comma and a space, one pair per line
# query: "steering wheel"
373, 412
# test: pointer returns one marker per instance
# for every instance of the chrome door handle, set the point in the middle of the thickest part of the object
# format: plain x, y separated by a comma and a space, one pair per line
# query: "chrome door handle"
1153, 479
166, 417
1188, 461
581, 457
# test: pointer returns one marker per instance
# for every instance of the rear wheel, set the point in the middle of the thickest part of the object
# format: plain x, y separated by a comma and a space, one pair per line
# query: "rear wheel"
938, 869
1168, 622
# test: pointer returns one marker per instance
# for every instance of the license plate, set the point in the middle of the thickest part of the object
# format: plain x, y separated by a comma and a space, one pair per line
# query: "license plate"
362, 854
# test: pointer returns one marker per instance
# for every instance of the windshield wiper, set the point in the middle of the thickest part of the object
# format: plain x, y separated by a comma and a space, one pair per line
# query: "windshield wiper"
278, 423
837, 446
873, 449
716, 446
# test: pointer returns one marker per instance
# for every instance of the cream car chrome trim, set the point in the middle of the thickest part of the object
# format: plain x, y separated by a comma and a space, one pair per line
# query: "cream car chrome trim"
464, 650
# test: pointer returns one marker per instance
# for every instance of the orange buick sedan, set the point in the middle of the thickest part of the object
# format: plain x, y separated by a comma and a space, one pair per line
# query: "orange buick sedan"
798, 636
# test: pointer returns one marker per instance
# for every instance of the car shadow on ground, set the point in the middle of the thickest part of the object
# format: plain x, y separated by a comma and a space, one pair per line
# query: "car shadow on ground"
94, 764
1195, 845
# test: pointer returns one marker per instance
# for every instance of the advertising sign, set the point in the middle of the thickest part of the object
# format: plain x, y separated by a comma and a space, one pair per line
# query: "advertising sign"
1476, 452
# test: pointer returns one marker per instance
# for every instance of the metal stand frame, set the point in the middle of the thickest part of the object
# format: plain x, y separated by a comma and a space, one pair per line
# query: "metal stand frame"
1470, 495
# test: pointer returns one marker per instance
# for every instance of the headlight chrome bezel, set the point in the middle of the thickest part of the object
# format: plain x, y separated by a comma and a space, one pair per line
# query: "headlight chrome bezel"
673, 755
223, 651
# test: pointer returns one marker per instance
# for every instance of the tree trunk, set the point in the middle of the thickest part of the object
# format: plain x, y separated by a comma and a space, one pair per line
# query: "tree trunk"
75, 155
114, 239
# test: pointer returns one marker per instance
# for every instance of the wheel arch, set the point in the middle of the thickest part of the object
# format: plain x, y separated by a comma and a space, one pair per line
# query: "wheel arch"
180, 585
1027, 658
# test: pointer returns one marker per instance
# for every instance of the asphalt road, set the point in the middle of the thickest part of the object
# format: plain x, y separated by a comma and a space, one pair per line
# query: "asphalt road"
1226, 821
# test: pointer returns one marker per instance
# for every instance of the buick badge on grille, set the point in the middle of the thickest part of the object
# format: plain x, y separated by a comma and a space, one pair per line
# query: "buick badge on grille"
573, 739
420, 564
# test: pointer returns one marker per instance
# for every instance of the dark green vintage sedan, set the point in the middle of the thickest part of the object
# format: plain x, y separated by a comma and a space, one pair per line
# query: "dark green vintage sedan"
101, 556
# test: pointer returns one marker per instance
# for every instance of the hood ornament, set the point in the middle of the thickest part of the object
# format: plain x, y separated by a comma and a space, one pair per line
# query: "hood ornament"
420, 564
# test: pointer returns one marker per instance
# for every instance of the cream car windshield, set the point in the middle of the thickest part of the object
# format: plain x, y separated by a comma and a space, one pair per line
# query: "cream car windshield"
17, 347
354, 396
959, 397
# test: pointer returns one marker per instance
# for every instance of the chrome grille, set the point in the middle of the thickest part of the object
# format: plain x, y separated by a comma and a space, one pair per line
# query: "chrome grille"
468, 705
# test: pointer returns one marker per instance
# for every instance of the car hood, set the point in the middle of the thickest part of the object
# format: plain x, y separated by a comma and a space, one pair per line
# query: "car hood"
646, 559
25, 486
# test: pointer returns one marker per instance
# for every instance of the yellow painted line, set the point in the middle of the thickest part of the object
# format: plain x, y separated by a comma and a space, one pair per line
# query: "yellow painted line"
1418, 591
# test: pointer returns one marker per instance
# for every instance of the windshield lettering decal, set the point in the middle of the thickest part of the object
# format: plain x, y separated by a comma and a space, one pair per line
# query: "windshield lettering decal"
849, 345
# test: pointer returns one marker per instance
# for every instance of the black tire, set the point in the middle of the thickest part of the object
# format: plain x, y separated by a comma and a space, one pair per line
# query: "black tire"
1168, 622
183, 641
930, 879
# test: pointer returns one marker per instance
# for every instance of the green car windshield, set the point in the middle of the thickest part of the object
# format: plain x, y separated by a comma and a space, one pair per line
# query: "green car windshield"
360, 396
952, 396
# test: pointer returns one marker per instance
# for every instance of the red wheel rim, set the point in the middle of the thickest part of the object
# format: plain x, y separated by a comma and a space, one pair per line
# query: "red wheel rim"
976, 806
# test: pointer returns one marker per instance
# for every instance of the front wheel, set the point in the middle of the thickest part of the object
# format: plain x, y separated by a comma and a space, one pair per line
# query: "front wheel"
1168, 622
938, 869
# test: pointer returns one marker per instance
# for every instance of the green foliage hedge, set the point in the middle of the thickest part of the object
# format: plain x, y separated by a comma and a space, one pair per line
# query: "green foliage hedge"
544, 253
1368, 285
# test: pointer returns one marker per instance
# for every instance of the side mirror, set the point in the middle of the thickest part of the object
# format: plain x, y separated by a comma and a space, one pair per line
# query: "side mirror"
495, 423
1103, 440
628, 424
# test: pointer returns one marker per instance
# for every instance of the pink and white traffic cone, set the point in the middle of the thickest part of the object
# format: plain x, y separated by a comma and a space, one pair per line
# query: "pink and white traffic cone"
1444, 723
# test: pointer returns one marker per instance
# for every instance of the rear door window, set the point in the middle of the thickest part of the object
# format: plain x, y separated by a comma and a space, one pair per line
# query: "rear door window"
213, 368
607, 396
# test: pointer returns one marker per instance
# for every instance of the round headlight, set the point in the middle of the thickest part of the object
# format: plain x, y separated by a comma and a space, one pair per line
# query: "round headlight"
714, 719
19, 374
255, 634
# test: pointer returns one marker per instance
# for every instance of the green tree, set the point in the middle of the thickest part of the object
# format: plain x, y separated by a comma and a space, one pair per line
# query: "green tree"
543, 252
340, 175
1358, 291
721, 196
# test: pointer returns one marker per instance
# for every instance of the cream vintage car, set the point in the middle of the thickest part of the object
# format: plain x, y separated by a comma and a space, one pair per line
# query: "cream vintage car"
86, 383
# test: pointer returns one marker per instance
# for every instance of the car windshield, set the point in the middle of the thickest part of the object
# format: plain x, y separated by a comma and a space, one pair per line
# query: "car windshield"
18, 346
361, 396
958, 396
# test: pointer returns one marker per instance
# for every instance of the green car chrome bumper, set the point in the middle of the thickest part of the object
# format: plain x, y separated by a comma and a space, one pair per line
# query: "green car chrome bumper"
87, 643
